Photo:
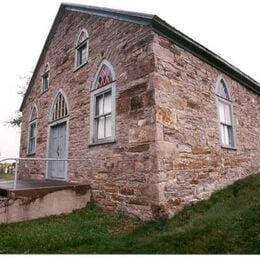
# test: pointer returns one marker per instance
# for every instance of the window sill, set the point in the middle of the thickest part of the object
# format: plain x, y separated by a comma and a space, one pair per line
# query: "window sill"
31, 154
80, 66
102, 142
229, 147
44, 91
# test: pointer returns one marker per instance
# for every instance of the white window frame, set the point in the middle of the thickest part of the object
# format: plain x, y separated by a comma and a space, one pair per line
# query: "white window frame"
45, 74
95, 92
78, 46
226, 102
32, 122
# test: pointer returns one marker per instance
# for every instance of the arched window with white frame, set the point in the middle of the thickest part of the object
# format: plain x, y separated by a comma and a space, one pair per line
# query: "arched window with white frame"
225, 113
32, 133
45, 78
81, 55
103, 95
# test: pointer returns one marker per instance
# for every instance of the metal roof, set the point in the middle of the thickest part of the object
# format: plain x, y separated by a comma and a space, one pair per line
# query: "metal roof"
159, 26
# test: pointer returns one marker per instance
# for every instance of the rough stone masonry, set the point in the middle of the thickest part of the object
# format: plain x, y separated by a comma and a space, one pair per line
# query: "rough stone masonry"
167, 152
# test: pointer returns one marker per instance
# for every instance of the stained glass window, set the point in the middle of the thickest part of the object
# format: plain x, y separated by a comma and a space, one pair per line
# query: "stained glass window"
104, 77
103, 98
60, 109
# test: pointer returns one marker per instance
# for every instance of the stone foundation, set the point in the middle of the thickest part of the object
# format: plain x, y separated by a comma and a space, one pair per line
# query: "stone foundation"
32, 204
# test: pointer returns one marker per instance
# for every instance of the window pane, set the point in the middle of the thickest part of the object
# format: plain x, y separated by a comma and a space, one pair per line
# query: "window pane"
225, 137
32, 133
99, 105
84, 54
45, 81
107, 102
108, 132
227, 114
32, 130
100, 127
32, 145
230, 136
221, 112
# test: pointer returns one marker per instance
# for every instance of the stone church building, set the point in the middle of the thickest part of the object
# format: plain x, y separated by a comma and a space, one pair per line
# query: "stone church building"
151, 119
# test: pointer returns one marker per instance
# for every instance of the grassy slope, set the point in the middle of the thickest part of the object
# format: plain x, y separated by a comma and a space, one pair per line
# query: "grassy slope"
227, 223
6, 177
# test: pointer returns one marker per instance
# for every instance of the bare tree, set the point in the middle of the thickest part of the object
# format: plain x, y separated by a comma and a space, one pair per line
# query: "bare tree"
22, 87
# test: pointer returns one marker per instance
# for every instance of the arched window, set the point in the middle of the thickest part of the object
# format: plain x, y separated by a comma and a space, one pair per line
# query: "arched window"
32, 130
103, 105
59, 108
81, 55
45, 78
224, 104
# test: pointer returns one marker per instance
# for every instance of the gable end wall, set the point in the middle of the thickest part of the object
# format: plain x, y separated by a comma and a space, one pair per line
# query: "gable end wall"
122, 175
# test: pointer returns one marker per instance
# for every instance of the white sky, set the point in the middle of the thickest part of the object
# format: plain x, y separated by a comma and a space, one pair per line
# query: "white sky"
230, 28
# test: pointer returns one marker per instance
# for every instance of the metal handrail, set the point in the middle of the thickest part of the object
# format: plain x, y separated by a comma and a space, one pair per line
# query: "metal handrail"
18, 159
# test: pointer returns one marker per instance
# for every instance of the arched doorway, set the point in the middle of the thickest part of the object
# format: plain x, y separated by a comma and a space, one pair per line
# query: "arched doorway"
57, 137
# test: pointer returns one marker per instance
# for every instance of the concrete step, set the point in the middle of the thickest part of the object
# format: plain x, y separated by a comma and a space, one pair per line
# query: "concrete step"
36, 199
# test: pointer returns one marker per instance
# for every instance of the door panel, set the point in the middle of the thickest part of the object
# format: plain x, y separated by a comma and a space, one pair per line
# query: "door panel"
57, 150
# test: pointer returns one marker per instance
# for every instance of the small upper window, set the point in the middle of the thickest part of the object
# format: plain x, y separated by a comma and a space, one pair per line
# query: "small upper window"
81, 49
60, 109
225, 115
32, 131
46, 78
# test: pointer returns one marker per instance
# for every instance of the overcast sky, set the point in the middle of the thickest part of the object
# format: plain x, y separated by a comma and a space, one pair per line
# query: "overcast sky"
229, 28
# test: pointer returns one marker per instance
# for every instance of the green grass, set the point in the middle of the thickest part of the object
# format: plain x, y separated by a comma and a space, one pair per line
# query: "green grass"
229, 222
6, 177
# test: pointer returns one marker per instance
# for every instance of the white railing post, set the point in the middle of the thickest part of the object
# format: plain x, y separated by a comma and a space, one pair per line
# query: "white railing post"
15, 173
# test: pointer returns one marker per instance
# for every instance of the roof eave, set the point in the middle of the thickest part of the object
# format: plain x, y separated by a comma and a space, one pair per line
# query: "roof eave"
183, 41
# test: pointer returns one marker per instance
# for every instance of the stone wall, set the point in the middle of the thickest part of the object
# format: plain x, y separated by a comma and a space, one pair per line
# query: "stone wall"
122, 175
167, 151
191, 162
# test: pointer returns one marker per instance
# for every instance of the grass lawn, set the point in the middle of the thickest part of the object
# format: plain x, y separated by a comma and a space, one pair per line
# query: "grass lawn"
229, 222
6, 177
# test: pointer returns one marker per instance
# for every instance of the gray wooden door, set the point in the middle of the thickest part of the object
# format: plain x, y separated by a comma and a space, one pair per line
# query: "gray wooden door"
57, 150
